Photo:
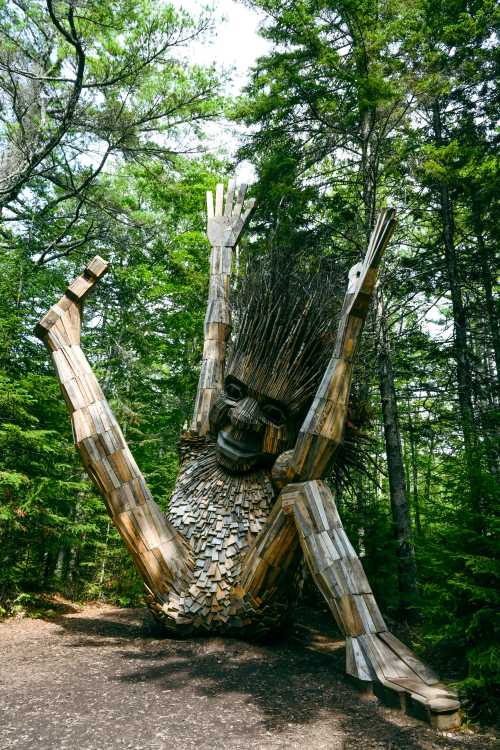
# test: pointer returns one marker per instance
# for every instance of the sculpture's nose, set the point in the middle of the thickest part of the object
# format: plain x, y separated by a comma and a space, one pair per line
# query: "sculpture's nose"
245, 415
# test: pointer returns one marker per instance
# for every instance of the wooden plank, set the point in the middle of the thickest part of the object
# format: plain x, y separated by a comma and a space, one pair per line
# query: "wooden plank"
107, 442
141, 490
66, 323
79, 288
218, 312
59, 329
127, 525
214, 349
359, 579
392, 667
78, 360
92, 386
84, 388
364, 613
422, 670
372, 656
106, 473
63, 369
342, 538
346, 347
356, 662
49, 319
83, 426
336, 584
438, 698
219, 197
121, 499
131, 463
375, 613
90, 447
107, 417
329, 551
97, 267
315, 499
120, 465
302, 517
73, 395
351, 619
329, 507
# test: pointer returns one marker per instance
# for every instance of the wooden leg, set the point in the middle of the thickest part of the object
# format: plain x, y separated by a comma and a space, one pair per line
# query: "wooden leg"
159, 552
373, 654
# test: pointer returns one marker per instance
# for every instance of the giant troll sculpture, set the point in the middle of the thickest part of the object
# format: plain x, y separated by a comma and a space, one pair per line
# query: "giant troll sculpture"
249, 501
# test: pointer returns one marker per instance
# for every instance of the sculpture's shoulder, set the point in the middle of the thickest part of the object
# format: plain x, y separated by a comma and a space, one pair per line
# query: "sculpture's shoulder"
192, 446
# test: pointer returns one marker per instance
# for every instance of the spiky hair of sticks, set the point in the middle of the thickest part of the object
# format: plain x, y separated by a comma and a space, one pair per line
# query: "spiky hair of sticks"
285, 317
285, 330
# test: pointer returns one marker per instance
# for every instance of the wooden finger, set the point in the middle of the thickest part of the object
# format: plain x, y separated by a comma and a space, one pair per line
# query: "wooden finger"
210, 204
229, 198
249, 207
219, 198
239, 201
379, 239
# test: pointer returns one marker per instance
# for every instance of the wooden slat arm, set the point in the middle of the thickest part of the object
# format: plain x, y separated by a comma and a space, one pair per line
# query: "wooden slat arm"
159, 552
323, 427
224, 228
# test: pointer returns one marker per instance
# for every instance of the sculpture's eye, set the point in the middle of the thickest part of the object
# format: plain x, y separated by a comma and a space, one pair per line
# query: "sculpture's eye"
273, 413
234, 390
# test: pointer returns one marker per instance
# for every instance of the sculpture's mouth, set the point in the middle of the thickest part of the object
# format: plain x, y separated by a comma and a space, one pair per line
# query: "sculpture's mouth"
238, 453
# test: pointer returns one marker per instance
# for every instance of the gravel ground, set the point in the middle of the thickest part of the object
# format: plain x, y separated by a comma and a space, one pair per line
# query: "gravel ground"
101, 678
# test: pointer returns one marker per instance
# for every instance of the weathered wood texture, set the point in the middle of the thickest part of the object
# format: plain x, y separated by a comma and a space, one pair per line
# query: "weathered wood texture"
224, 558
222, 517
323, 427
270, 560
158, 550
372, 653
224, 227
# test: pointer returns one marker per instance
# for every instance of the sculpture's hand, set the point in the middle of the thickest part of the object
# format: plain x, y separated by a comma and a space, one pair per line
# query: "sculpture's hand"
225, 224
363, 276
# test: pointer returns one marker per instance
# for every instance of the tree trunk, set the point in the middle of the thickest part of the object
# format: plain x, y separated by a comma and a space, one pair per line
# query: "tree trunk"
488, 289
407, 569
428, 474
59, 566
407, 573
104, 553
463, 368
414, 472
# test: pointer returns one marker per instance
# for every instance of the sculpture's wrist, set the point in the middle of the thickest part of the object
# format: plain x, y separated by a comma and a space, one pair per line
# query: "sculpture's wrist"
283, 471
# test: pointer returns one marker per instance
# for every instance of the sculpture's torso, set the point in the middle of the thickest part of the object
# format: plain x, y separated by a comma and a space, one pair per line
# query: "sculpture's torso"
219, 515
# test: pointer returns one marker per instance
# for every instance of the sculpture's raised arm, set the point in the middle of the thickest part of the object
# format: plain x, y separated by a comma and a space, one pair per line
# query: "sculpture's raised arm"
158, 550
224, 227
323, 427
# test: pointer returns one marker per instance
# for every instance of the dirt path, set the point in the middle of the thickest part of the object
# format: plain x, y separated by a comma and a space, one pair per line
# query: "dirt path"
103, 678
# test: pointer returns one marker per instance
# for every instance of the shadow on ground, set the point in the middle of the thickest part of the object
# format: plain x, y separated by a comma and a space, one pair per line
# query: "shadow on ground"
224, 693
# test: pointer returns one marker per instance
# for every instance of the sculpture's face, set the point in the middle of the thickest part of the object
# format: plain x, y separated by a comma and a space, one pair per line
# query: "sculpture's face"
251, 428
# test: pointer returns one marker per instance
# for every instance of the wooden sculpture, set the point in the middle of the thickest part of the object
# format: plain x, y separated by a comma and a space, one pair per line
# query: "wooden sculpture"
249, 500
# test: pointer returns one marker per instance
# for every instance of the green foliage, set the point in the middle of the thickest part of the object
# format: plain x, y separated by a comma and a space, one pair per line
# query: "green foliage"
142, 333
357, 104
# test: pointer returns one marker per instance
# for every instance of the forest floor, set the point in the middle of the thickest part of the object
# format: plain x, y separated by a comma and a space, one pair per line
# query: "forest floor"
102, 678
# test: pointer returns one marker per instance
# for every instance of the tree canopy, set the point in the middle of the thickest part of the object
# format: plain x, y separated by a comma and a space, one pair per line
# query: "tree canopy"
106, 147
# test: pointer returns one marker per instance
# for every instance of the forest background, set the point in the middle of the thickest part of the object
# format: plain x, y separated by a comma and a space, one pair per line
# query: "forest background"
107, 147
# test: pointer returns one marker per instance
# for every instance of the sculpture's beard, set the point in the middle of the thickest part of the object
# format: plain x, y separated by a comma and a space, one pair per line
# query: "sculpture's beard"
238, 451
